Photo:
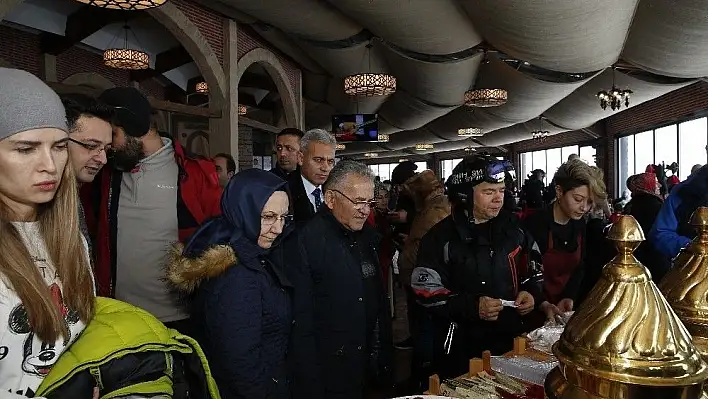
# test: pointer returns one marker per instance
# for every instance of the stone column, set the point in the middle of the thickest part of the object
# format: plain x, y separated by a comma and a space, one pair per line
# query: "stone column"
224, 131
245, 147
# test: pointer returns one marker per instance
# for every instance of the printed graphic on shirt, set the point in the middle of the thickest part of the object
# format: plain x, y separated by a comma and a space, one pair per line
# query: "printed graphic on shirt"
38, 357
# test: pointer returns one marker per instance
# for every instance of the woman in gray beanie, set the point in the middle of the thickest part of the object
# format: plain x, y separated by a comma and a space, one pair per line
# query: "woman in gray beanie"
46, 285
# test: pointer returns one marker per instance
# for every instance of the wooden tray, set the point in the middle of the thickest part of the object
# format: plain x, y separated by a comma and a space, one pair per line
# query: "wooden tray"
485, 363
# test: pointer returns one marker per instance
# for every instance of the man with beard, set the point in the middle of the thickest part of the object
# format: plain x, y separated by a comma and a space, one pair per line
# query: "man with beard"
287, 147
153, 195
90, 136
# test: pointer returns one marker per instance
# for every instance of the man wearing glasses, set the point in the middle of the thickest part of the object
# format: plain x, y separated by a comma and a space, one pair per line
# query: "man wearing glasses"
90, 136
341, 337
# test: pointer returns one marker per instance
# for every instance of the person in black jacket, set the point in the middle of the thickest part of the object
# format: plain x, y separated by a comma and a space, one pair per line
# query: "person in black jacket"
287, 148
645, 206
341, 341
473, 271
233, 273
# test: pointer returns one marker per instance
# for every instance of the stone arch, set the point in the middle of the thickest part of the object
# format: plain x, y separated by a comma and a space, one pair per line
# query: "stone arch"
5, 64
275, 69
90, 79
186, 34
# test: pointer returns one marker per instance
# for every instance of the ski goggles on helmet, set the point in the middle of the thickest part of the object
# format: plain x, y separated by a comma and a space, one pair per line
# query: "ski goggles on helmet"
492, 171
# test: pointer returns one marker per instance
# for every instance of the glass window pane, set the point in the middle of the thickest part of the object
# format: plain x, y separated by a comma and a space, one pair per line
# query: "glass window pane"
643, 151
587, 154
539, 160
666, 142
526, 166
625, 158
421, 166
693, 137
554, 160
566, 151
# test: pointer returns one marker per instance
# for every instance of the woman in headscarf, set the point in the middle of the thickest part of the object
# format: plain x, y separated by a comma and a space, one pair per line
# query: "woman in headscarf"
240, 296
645, 206
45, 278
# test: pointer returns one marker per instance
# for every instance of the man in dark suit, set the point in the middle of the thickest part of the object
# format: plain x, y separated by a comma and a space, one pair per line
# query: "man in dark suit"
316, 161
287, 147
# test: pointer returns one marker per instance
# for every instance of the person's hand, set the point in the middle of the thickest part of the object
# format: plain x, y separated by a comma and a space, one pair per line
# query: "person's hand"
399, 216
565, 305
550, 310
96, 393
489, 308
524, 303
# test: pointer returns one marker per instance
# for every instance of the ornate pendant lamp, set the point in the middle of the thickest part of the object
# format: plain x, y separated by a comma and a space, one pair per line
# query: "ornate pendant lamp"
424, 147
470, 132
369, 84
540, 135
126, 57
371, 155
202, 88
382, 138
484, 98
625, 341
685, 284
340, 147
615, 97
127, 5
242, 110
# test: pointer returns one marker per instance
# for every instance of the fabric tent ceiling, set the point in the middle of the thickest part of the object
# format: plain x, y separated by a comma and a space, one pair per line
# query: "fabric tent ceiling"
434, 48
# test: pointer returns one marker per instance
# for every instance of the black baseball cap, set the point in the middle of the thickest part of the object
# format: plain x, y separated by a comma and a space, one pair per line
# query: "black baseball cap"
132, 109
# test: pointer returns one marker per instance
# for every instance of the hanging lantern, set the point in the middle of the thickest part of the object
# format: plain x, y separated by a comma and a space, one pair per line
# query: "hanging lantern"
369, 84
486, 98
339, 147
126, 58
423, 147
470, 132
125, 5
382, 138
371, 155
202, 88
242, 109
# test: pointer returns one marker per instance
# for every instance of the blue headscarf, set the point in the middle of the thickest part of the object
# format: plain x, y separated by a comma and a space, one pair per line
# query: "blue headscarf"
240, 222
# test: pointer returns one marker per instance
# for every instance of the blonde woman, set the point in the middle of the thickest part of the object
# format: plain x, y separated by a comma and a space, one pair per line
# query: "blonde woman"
46, 288
560, 232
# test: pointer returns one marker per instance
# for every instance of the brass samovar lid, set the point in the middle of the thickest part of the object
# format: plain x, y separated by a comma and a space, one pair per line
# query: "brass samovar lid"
685, 286
625, 332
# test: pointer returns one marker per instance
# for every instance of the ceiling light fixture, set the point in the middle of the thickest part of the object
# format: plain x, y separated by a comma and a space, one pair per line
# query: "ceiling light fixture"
126, 58
403, 160
485, 98
125, 5
202, 88
615, 97
242, 110
369, 84
340, 147
469, 149
470, 132
371, 155
382, 138
424, 147
540, 135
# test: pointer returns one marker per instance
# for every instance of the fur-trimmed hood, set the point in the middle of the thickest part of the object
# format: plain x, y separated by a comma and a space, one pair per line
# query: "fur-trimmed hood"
187, 273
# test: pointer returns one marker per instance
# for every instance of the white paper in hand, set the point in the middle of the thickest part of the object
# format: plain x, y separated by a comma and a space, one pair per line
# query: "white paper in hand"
510, 304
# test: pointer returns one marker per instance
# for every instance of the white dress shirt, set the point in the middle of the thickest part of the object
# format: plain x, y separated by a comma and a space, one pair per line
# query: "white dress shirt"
309, 188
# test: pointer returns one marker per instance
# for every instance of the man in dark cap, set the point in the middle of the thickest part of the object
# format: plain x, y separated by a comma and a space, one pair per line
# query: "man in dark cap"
153, 195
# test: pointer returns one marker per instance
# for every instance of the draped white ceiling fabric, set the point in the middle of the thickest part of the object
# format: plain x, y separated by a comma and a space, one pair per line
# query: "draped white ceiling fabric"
552, 57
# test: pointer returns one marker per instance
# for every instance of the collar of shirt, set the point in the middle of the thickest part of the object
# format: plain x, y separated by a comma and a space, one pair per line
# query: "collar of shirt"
309, 188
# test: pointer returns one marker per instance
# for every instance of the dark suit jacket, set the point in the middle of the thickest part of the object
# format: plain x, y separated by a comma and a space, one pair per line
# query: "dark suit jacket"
299, 199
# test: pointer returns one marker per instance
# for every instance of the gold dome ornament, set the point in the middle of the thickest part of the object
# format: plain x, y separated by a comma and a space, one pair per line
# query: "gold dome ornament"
625, 341
685, 286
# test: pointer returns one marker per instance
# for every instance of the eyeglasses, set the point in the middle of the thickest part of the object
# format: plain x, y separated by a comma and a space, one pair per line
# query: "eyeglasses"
270, 219
95, 148
358, 205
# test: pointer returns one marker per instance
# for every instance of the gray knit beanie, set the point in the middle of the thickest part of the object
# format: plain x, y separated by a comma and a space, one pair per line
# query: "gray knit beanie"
27, 103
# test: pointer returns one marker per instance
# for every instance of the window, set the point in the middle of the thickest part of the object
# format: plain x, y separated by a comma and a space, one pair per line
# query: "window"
692, 145
684, 143
447, 166
551, 159
567, 151
554, 160
384, 170
587, 153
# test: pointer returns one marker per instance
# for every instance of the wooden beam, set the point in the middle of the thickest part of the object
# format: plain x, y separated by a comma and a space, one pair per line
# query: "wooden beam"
84, 22
164, 62
258, 125
155, 103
